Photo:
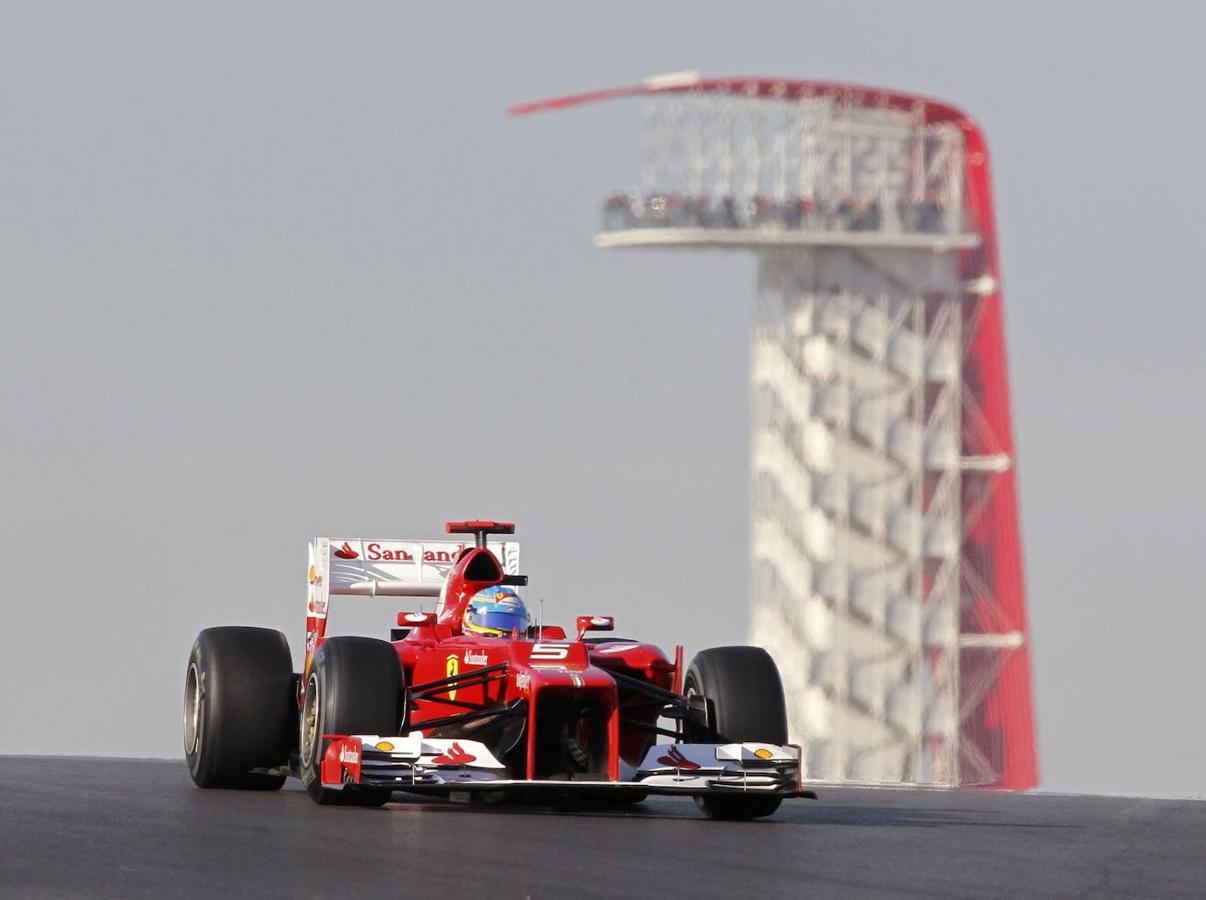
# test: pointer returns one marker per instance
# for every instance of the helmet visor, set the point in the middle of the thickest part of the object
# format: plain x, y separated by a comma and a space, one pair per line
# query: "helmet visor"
498, 620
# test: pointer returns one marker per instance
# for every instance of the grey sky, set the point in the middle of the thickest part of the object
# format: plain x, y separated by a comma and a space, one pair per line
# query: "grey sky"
277, 270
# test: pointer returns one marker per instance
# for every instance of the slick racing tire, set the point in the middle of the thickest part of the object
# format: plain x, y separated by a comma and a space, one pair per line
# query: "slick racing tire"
354, 687
239, 708
744, 697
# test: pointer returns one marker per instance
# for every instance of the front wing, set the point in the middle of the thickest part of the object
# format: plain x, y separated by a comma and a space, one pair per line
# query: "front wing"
437, 765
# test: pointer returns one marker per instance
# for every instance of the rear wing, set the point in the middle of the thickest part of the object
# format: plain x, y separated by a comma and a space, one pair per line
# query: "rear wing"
367, 567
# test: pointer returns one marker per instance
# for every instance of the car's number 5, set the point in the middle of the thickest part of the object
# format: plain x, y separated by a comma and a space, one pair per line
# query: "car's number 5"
549, 652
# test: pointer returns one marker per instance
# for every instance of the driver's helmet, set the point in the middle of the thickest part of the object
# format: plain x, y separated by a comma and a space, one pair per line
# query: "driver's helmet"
496, 612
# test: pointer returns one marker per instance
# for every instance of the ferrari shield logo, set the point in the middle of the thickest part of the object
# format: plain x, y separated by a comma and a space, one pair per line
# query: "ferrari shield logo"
451, 668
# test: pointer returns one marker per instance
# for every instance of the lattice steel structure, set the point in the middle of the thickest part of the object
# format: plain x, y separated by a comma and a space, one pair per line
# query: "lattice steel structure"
886, 574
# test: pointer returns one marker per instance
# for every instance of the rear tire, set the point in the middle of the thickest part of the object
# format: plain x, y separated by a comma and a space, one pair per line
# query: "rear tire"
744, 696
354, 687
239, 708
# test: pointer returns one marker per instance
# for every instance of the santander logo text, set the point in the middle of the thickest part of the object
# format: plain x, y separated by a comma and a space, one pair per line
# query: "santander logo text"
375, 552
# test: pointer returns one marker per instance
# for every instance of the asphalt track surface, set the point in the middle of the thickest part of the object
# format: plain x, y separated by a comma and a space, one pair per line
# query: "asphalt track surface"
136, 828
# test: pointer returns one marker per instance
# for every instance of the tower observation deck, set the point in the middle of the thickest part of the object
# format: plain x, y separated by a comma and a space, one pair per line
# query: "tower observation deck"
885, 558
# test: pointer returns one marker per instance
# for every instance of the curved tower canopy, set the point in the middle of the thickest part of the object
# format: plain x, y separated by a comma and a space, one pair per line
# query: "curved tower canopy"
886, 570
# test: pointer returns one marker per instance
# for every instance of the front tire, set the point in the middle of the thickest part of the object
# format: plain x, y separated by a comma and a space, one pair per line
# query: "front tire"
239, 708
354, 687
743, 694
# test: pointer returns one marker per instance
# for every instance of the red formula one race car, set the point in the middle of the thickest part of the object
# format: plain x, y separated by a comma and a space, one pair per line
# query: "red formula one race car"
474, 698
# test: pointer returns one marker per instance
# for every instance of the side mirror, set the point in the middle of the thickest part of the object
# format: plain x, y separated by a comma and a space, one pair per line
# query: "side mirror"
594, 623
416, 619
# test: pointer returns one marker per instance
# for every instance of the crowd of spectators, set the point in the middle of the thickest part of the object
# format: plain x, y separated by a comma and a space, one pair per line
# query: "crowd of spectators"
847, 213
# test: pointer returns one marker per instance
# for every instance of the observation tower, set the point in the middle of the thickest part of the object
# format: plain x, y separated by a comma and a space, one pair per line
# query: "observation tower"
885, 558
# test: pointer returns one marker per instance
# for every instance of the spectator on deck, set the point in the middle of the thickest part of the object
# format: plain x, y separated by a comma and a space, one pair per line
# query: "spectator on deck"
728, 212
617, 212
930, 218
